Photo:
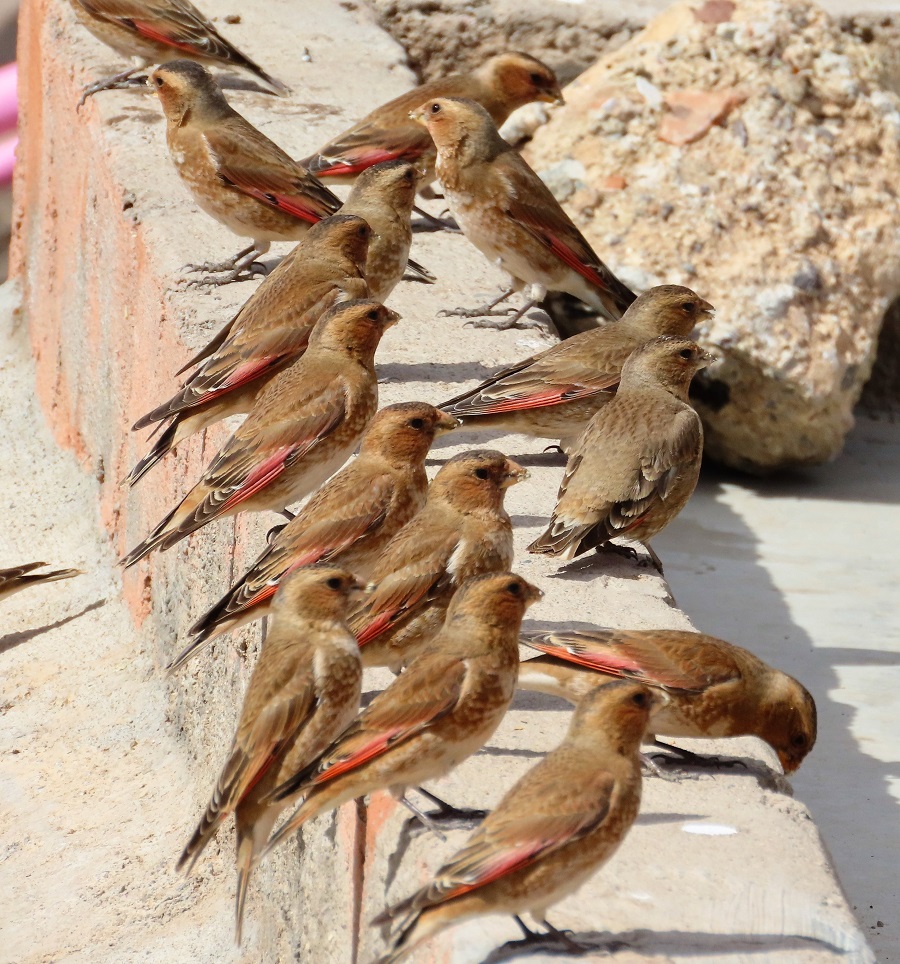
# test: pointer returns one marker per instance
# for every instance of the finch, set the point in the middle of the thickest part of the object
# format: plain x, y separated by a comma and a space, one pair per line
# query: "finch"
269, 333
556, 393
443, 708
384, 195
462, 532
21, 577
637, 463
304, 426
509, 214
714, 689
550, 833
157, 31
235, 173
348, 521
502, 84
304, 692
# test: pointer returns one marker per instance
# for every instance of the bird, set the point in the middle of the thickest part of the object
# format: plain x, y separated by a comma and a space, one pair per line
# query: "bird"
463, 531
550, 832
272, 329
556, 393
637, 463
157, 31
21, 577
443, 708
384, 195
501, 84
304, 425
509, 214
714, 689
348, 521
304, 691
234, 172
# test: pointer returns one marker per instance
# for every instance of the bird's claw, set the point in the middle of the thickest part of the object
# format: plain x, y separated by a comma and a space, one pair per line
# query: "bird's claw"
113, 83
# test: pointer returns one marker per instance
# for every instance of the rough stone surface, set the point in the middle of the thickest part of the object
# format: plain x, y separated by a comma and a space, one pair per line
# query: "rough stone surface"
782, 213
103, 228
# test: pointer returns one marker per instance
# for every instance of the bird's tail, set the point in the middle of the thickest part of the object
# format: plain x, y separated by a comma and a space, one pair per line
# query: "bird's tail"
415, 272
559, 540
163, 445
23, 579
156, 538
206, 830
245, 865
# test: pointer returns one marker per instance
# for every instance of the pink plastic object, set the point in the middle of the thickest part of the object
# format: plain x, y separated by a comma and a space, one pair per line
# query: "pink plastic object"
9, 101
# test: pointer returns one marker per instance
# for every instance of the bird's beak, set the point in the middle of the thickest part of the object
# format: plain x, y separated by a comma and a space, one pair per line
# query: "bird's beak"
514, 473
446, 423
788, 763
391, 317
533, 594
418, 116
554, 96
658, 699
705, 359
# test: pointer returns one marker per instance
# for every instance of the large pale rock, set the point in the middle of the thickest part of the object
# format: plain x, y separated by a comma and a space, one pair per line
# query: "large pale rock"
749, 150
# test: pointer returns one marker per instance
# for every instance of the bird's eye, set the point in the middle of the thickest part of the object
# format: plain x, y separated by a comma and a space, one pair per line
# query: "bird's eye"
481, 473
373, 314
159, 81
639, 699
335, 582
537, 79
798, 739
362, 232
686, 353
688, 306
417, 423
514, 588
435, 108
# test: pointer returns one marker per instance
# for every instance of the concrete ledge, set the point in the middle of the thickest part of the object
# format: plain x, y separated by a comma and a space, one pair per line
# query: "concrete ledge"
102, 228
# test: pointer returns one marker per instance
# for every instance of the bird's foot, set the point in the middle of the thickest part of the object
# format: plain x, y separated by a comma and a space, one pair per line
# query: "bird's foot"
274, 533
613, 548
431, 223
554, 448
688, 758
230, 276
448, 815
483, 312
123, 81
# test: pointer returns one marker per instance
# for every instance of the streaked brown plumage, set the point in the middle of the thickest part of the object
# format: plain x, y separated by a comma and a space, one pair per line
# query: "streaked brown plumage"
272, 329
304, 426
348, 521
21, 577
384, 195
509, 214
462, 532
234, 172
443, 708
637, 463
550, 833
556, 393
156, 31
714, 689
304, 692
501, 85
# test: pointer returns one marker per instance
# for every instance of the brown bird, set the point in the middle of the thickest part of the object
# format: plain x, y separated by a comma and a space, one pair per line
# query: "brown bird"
235, 173
271, 331
637, 463
556, 393
549, 834
157, 31
384, 195
348, 521
304, 692
502, 84
509, 214
21, 577
304, 426
714, 689
443, 708
462, 532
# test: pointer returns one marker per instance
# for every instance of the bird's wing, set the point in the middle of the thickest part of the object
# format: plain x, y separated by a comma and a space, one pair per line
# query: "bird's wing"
667, 658
534, 207
417, 699
411, 570
247, 160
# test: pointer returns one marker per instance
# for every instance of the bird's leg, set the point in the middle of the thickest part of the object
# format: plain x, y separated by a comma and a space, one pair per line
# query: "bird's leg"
487, 309
241, 267
564, 938
121, 81
654, 558
290, 516
273, 534
434, 224
527, 933
424, 818
697, 759
447, 813
510, 320
629, 552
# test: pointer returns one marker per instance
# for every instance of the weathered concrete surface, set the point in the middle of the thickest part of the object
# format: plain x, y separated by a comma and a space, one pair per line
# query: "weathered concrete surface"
104, 226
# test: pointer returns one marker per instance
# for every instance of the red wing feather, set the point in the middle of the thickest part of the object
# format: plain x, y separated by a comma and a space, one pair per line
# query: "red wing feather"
264, 474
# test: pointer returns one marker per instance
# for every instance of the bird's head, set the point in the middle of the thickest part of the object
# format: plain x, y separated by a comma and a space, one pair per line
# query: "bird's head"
187, 92
353, 327
669, 310
346, 235
476, 480
403, 433
517, 79
317, 593
788, 720
669, 361
394, 181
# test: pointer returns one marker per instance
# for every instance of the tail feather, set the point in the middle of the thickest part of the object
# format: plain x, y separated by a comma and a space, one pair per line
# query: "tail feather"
158, 537
161, 448
416, 272
206, 830
192, 649
563, 541
244, 870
